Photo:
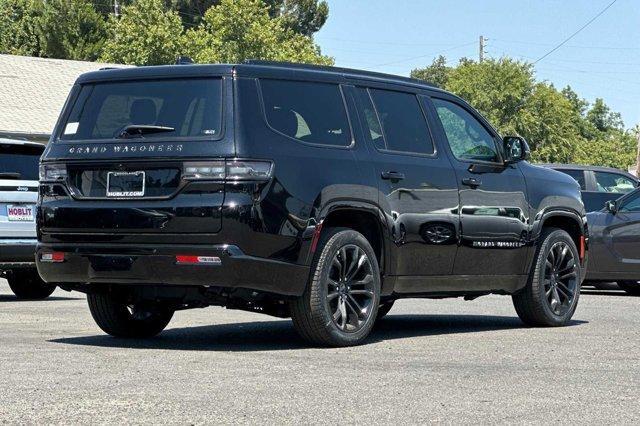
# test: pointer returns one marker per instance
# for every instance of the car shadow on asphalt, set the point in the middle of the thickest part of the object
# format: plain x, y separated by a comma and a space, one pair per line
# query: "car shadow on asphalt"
619, 293
280, 335
12, 298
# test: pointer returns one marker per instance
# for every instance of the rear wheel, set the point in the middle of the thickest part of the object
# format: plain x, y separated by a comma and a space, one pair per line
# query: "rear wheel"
552, 292
121, 319
631, 287
340, 304
27, 284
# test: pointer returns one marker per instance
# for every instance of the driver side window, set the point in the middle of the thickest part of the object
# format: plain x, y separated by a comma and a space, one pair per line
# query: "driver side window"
467, 137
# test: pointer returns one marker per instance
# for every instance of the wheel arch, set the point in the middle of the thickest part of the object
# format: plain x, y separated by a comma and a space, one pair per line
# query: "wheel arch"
363, 217
571, 222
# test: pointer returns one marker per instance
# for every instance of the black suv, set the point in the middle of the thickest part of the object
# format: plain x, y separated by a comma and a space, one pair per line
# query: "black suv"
319, 193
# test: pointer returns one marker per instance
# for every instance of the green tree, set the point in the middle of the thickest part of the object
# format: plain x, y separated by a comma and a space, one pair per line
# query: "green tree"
601, 116
437, 73
304, 17
146, 34
68, 29
19, 33
236, 30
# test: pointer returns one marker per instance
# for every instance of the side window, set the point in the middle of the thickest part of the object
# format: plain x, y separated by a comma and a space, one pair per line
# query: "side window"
309, 112
631, 204
613, 182
577, 175
468, 138
403, 123
369, 119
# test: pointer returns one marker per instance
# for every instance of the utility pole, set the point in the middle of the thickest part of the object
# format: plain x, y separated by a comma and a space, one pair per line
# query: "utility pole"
638, 154
116, 8
481, 50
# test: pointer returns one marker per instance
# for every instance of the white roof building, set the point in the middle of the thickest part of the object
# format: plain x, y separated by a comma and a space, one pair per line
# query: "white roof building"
33, 91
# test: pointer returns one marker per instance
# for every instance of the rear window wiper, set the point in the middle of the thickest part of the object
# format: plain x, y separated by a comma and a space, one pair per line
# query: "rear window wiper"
139, 130
10, 175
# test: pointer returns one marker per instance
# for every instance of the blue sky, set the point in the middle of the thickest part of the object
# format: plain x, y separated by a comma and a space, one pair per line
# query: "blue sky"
397, 36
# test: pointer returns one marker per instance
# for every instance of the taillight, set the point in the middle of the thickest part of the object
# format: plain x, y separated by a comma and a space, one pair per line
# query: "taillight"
52, 172
231, 170
52, 257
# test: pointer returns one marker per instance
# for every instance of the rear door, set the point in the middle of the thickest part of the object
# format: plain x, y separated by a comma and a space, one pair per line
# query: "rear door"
417, 185
18, 189
134, 152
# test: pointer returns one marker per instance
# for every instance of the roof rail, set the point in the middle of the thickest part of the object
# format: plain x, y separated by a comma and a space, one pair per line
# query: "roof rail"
350, 71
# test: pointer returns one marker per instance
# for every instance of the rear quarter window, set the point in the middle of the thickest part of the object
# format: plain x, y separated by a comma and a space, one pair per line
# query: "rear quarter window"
307, 111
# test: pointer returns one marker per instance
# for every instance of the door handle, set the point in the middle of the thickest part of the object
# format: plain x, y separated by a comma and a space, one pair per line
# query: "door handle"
472, 182
392, 175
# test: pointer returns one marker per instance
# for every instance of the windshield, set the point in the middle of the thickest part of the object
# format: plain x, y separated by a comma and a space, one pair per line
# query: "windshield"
162, 108
19, 161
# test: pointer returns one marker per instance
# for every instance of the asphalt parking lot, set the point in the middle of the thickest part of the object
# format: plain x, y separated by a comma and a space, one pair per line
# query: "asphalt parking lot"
430, 361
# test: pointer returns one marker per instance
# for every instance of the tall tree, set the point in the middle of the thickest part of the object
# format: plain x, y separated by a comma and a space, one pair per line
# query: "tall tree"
304, 17
145, 34
68, 29
437, 73
236, 30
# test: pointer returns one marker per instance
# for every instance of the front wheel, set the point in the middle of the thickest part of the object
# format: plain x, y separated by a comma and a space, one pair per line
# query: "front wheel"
553, 289
121, 319
340, 304
27, 284
631, 287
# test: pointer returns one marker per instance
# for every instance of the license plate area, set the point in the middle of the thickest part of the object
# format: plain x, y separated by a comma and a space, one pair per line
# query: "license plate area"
20, 213
125, 184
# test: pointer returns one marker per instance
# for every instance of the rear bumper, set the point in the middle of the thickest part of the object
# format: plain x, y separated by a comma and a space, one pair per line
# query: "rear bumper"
17, 252
156, 265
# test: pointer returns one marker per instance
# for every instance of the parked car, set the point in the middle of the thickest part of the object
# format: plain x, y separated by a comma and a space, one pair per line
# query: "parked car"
598, 184
319, 193
18, 195
615, 243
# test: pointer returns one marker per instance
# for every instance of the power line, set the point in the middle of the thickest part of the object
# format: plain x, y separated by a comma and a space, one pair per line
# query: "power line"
575, 33
423, 56
531, 43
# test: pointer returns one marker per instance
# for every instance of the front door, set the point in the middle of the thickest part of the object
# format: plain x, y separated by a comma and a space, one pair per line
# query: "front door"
417, 184
621, 237
494, 213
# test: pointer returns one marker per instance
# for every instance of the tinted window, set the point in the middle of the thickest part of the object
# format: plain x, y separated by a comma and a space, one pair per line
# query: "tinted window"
192, 107
19, 162
631, 204
468, 138
369, 120
310, 112
403, 123
577, 175
613, 182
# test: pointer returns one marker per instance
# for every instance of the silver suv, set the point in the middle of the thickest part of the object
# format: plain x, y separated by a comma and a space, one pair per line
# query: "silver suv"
18, 196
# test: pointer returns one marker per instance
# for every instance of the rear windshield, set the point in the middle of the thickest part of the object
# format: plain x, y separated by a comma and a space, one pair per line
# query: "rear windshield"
167, 108
19, 162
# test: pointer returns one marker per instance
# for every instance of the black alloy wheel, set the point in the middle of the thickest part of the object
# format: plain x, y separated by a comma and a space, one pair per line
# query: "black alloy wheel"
560, 278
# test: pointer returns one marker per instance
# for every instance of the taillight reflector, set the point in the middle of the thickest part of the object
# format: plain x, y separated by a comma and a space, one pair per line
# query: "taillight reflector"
190, 259
52, 257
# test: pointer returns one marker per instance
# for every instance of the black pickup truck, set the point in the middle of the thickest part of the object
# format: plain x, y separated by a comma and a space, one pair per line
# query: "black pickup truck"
319, 193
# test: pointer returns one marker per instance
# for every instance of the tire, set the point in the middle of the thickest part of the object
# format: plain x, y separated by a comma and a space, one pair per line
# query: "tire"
384, 309
118, 319
559, 282
27, 284
631, 287
327, 313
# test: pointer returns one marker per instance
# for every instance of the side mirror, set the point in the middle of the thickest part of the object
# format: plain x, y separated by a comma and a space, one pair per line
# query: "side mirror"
516, 149
611, 206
